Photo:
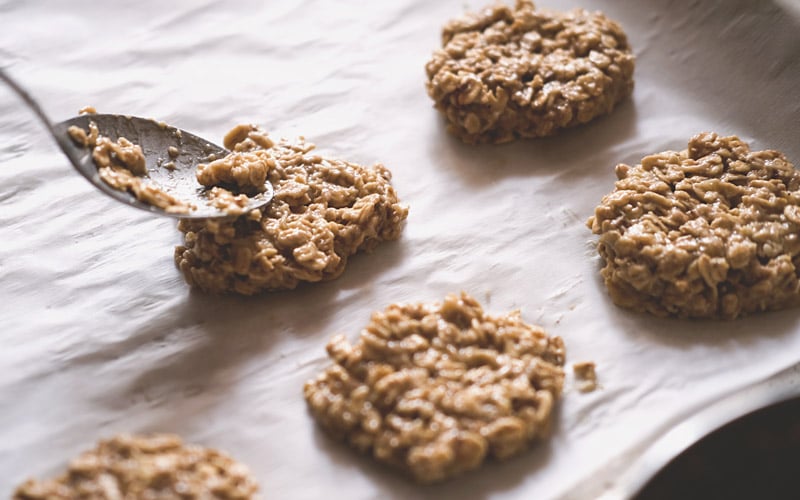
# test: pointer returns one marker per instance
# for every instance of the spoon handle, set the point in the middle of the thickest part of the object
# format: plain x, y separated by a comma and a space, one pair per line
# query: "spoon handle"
33, 105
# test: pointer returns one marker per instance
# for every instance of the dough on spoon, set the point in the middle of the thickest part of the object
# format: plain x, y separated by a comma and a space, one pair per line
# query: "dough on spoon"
121, 164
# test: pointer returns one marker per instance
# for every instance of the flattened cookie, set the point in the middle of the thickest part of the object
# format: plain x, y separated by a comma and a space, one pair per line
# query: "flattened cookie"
435, 389
506, 73
158, 466
323, 212
710, 232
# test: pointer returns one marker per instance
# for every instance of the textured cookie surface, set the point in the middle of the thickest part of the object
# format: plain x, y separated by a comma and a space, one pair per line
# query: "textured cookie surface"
323, 212
508, 73
435, 389
146, 467
709, 232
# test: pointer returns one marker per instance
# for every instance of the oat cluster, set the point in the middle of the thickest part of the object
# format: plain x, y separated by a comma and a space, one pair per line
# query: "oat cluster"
585, 376
710, 232
232, 204
323, 212
146, 467
507, 73
435, 389
244, 171
105, 152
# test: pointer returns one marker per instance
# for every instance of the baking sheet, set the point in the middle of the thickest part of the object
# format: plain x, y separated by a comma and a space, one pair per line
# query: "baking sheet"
100, 334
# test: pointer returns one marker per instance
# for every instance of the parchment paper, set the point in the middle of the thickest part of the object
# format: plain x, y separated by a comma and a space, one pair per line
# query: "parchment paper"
100, 334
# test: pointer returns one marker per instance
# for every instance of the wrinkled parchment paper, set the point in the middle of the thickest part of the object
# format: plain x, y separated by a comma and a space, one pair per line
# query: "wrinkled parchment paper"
100, 334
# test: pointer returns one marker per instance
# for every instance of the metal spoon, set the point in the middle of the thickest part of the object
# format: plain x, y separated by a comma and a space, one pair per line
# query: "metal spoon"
155, 139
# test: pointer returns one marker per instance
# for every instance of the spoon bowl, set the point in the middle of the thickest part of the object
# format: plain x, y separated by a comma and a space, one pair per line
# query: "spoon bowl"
173, 173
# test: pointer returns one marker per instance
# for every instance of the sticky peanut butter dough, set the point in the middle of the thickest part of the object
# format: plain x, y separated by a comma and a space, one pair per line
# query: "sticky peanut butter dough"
244, 170
161, 466
121, 164
436, 389
324, 211
505, 73
712, 231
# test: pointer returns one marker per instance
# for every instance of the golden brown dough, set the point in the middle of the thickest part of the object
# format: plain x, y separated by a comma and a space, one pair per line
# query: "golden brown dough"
146, 467
436, 389
709, 232
506, 73
323, 212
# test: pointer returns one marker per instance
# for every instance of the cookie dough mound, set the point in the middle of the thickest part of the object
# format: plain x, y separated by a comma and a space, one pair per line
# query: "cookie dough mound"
710, 232
158, 466
509, 73
435, 389
323, 212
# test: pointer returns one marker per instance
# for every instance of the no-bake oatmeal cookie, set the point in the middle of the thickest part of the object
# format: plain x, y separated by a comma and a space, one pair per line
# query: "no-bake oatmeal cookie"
146, 467
435, 389
507, 73
323, 212
709, 232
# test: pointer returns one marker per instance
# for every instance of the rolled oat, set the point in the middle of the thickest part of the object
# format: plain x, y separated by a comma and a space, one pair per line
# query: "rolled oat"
710, 232
508, 73
435, 389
